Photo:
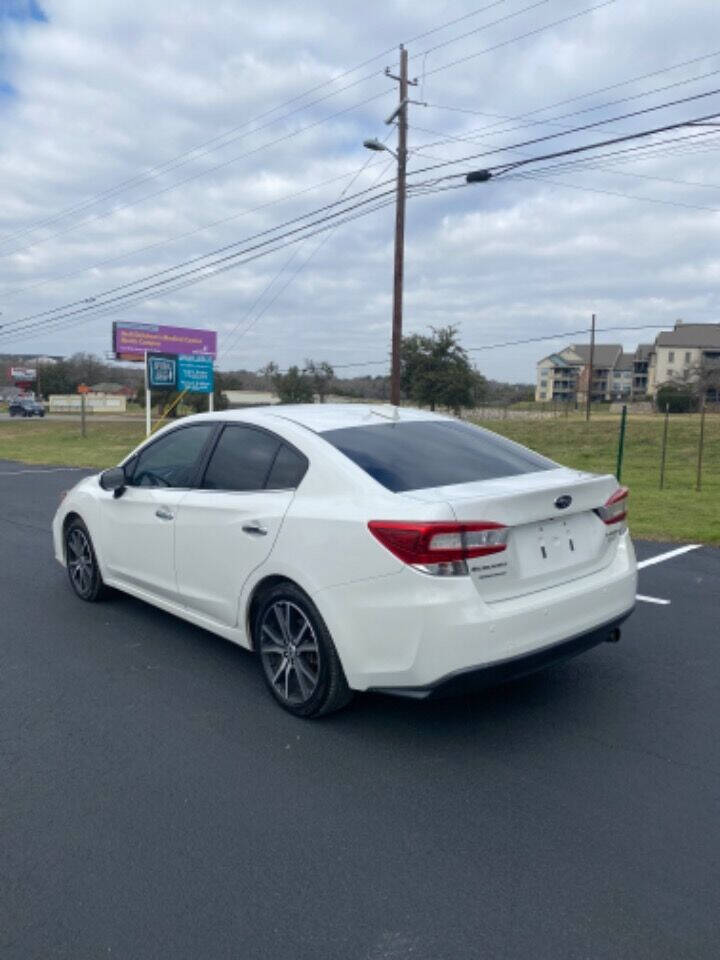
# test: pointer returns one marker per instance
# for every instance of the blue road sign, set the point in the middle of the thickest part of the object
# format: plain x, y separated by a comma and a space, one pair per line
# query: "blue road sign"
195, 373
161, 371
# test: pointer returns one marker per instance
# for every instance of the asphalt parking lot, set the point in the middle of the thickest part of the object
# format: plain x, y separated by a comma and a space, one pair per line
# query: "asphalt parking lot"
156, 803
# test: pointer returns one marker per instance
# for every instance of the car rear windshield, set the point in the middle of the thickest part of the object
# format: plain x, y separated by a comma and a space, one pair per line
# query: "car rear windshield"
417, 454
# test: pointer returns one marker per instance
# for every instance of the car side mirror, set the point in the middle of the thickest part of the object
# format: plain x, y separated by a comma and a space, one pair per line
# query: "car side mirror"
114, 479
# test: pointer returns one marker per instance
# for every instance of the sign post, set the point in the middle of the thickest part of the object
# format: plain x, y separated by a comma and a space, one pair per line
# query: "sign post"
148, 399
83, 390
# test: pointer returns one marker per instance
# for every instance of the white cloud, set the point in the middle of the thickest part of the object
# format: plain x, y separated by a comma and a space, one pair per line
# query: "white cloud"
103, 92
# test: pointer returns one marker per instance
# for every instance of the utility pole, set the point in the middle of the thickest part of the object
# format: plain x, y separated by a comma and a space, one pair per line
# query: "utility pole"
590, 369
397, 316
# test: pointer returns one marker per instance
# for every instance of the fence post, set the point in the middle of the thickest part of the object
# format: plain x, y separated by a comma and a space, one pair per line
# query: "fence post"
664, 446
621, 443
82, 415
698, 482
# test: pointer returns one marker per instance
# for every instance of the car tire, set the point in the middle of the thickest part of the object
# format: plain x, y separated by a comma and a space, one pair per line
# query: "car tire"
82, 565
297, 655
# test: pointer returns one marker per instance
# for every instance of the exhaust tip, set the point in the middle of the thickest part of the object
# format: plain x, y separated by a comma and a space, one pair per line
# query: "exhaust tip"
614, 635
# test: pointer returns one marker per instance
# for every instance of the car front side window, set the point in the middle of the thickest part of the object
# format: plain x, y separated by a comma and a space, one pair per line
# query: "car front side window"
172, 460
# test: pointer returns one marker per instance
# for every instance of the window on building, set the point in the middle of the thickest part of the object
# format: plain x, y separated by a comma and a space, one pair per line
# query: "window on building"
671, 356
688, 356
543, 395
543, 383
671, 372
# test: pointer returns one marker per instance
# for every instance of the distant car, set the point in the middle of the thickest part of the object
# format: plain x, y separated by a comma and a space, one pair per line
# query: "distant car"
357, 547
25, 407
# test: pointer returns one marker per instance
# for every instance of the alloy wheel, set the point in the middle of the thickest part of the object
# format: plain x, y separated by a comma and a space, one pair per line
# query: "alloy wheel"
80, 561
290, 652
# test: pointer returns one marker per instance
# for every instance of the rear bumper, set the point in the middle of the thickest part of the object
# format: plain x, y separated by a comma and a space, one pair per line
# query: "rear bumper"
476, 678
412, 631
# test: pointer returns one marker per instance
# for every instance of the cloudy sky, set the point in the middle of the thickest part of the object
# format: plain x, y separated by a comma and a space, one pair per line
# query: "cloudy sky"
136, 137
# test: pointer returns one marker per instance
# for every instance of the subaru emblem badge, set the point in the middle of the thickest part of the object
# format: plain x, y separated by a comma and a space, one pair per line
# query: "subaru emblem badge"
563, 502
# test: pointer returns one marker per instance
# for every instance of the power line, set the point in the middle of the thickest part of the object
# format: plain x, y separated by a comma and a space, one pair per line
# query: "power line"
232, 337
369, 205
605, 89
609, 160
197, 152
553, 121
159, 283
484, 26
180, 236
194, 176
524, 36
501, 169
588, 126
616, 193
560, 335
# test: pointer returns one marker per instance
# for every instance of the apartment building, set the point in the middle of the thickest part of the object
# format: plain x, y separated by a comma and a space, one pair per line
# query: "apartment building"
563, 376
683, 355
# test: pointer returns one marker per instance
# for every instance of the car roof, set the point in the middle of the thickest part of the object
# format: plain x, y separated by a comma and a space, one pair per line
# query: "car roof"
320, 417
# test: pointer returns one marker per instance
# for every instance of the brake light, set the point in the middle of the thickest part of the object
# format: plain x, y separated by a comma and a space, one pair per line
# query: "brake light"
615, 509
439, 548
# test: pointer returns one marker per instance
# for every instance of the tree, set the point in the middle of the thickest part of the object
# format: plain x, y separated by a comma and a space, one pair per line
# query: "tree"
268, 374
676, 398
294, 386
436, 371
321, 374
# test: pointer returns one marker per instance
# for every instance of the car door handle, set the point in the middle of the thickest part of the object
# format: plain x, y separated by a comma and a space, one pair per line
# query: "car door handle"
163, 514
256, 529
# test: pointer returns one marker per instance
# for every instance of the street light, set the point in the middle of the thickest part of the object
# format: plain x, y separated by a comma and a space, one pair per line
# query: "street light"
379, 146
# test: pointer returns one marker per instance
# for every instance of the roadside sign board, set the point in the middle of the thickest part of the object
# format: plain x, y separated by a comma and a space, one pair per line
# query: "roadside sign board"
131, 341
195, 373
23, 374
162, 371
83, 388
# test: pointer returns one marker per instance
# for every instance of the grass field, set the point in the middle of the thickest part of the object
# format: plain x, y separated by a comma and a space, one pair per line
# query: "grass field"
676, 513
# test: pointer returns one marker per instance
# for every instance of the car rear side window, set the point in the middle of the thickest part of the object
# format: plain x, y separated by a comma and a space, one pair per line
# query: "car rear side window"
171, 461
288, 470
417, 454
241, 459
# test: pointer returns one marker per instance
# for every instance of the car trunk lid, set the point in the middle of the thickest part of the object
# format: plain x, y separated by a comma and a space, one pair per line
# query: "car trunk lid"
554, 533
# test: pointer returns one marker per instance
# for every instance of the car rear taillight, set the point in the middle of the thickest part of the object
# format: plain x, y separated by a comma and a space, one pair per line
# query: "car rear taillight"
615, 509
438, 547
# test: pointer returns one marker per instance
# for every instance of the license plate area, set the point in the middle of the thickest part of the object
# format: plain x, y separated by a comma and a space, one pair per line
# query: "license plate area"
555, 544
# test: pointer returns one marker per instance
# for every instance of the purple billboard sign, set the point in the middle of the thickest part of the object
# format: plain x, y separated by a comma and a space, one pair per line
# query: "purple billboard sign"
131, 341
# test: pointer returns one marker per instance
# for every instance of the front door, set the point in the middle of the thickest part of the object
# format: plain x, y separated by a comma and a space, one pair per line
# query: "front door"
138, 528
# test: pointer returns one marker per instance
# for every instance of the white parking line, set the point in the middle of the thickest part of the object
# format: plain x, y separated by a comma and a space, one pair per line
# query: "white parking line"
661, 557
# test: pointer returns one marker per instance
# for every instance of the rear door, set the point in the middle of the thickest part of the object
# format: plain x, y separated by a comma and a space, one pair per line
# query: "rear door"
227, 526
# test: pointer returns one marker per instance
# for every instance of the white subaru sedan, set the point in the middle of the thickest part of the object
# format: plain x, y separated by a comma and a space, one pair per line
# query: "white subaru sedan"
357, 547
